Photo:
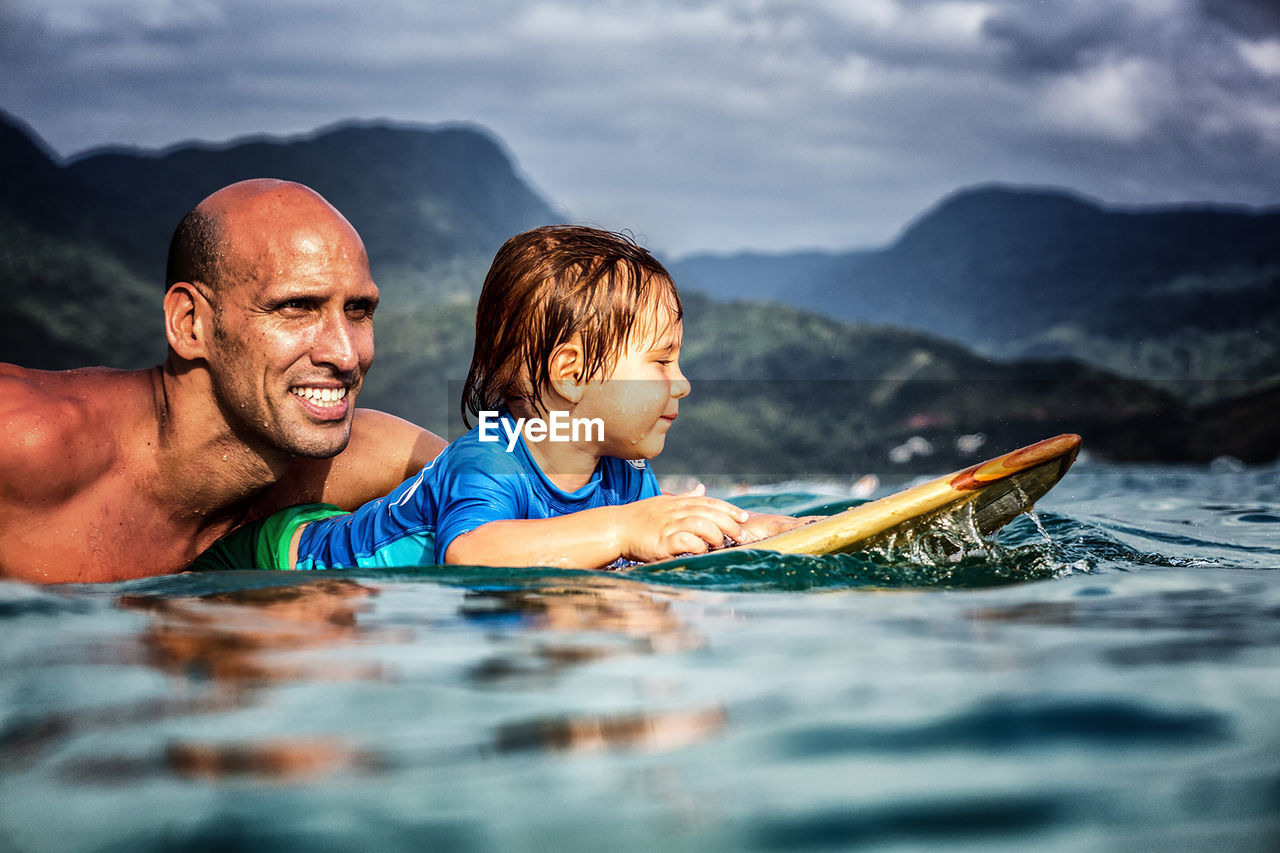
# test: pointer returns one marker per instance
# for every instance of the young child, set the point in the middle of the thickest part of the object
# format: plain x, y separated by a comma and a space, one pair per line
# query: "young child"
575, 379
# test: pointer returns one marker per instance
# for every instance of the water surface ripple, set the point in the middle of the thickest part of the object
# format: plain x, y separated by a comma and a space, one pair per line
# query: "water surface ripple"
1103, 676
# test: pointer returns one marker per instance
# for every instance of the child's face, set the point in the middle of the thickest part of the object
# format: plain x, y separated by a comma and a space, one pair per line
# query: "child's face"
640, 398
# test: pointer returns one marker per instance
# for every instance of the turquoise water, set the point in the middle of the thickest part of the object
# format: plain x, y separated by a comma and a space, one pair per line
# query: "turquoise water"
1106, 677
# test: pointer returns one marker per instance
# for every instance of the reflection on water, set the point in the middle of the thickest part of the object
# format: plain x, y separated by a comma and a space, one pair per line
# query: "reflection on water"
236, 641
597, 616
284, 760
268, 759
588, 732
223, 647
233, 638
225, 651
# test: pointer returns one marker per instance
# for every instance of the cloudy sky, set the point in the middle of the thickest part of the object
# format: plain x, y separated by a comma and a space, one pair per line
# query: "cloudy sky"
765, 124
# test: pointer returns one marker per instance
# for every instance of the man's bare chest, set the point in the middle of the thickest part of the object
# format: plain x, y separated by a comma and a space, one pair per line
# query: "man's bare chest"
102, 534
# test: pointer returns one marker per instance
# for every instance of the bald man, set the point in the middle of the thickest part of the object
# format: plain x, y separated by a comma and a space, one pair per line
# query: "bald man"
111, 474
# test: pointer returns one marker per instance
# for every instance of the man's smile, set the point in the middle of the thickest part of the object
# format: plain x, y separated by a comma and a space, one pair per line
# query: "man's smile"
320, 397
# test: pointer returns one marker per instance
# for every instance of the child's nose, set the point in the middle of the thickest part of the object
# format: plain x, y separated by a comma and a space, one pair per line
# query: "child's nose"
680, 386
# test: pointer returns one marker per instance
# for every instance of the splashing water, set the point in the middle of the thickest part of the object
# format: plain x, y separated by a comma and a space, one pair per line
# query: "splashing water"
1035, 519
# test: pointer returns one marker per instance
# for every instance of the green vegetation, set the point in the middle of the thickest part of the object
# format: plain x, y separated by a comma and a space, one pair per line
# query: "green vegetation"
69, 304
422, 360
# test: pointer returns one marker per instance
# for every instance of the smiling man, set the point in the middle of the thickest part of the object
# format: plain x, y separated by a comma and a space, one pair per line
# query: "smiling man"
110, 474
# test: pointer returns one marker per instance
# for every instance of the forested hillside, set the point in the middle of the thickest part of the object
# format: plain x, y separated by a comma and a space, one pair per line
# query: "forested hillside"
1188, 298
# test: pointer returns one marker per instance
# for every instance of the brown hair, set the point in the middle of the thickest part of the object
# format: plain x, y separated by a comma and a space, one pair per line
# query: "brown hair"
546, 287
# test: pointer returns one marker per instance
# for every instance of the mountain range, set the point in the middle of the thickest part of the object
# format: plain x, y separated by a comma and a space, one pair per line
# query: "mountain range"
83, 243
1185, 297
926, 340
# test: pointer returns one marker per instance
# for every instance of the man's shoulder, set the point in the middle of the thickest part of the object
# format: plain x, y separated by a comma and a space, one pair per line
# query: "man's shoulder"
384, 442
38, 407
51, 434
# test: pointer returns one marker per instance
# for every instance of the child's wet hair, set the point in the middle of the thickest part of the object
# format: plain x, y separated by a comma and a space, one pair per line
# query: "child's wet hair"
552, 285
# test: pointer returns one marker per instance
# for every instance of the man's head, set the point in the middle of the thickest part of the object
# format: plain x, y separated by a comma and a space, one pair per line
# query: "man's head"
269, 293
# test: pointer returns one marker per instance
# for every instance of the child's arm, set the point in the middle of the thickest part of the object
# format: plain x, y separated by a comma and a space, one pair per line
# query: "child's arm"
651, 529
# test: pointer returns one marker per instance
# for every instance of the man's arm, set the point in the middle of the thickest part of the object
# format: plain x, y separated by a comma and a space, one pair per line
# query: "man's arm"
383, 452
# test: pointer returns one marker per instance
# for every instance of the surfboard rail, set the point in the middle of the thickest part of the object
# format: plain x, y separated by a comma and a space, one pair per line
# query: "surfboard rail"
990, 494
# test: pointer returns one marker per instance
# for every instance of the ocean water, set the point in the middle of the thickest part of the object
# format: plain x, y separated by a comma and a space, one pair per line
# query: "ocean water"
1104, 676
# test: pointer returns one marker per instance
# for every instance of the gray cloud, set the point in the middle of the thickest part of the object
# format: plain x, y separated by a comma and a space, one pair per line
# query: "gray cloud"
1249, 18
721, 125
1030, 44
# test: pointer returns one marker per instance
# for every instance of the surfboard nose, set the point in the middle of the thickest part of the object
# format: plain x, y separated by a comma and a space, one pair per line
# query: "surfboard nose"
1063, 448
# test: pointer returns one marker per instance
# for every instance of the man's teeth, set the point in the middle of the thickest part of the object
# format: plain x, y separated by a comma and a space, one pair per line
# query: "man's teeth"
320, 396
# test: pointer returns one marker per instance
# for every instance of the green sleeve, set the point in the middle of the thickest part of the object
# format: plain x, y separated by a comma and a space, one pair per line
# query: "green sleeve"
262, 544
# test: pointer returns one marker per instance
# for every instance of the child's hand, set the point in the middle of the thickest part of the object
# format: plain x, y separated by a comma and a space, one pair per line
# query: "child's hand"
670, 525
762, 525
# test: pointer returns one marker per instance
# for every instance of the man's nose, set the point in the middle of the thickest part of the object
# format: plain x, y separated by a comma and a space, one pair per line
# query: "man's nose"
337, 343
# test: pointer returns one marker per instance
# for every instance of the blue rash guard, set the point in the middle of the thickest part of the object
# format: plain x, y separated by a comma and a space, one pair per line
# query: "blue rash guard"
471, 482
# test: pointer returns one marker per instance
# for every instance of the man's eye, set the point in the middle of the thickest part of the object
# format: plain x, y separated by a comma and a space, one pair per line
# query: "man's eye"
361, 310
293, 305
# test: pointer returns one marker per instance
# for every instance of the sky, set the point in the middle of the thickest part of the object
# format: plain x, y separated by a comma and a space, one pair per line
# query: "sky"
764, 125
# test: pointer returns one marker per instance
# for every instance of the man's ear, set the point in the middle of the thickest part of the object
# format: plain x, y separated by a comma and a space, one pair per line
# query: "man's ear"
186, 317
567, 371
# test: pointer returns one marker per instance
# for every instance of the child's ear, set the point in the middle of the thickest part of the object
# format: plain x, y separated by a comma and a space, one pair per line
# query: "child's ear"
567, 371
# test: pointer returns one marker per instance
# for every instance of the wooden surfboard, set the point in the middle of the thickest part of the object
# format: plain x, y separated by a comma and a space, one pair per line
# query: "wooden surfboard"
980, 499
